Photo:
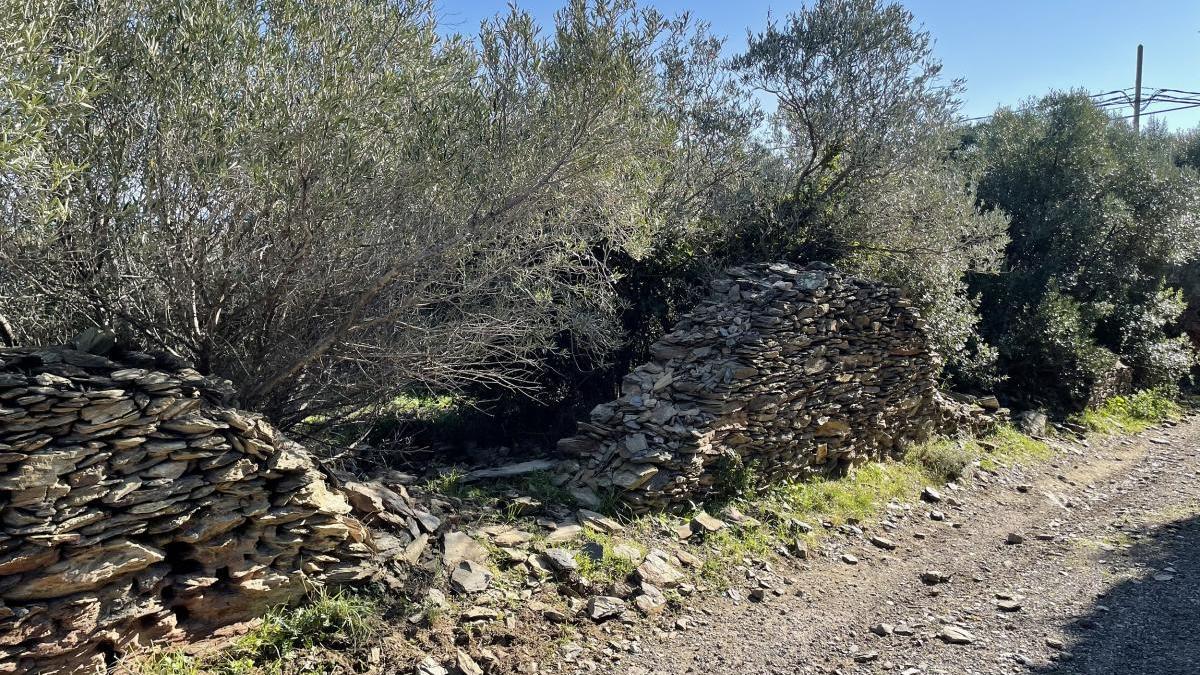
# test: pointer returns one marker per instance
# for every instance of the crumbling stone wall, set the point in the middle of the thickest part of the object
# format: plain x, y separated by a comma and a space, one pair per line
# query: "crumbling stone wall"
1115, 381
136, 505
796, 370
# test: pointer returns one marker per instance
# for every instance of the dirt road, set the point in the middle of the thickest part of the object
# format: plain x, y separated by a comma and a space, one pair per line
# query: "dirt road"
1101, 575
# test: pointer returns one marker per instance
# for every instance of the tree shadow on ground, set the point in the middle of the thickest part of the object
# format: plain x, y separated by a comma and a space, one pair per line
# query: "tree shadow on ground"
1148, 623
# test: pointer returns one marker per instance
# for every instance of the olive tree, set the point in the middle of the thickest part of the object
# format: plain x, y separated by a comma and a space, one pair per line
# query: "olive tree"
859, 94
860, 168
329, 202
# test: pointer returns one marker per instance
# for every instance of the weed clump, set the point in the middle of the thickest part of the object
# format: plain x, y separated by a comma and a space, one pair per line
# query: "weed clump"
338, 619
1132, 413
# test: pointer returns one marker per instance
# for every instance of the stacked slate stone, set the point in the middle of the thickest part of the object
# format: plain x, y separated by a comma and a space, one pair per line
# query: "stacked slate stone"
135, 504
799, 371
1117, 380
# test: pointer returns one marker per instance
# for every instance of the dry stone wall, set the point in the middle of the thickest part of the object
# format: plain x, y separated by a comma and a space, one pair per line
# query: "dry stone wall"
799, 371
137, 505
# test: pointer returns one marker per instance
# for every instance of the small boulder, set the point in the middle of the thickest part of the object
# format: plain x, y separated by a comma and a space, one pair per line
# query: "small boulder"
561, 560
470, 577
703, 522
883, 543
955, 636
458, 546
430, 667
657, 571
934, 577
603, 607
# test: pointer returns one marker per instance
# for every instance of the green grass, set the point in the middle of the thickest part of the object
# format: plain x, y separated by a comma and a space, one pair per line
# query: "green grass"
855, 497
329, 619
540, 486
943, 459
337, 620
449, 484
1132, 413
1007, 446
729, 546
859, 496
609, 567
168, 663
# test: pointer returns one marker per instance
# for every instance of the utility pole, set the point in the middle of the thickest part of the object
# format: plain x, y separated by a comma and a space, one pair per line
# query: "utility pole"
1137, 95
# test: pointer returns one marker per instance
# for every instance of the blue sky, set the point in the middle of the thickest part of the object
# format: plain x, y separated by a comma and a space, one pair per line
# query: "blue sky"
1006, 50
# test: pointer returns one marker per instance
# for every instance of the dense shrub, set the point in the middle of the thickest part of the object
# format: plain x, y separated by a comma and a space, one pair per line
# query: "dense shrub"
1100, 217
330, 203
336, 205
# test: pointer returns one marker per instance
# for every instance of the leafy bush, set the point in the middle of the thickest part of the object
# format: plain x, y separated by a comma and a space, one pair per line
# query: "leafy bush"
1054, 344
1131, 413
329, 235
330, 619
336, 620
513, 217
863, 180
1158, 359
1100, 216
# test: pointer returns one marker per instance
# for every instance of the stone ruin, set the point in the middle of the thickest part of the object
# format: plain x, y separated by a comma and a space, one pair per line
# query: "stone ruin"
136, 504
798, 371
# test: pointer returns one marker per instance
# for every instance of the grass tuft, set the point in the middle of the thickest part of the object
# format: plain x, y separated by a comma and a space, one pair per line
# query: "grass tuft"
858, 496
1132, 413
609, 567
943, 459
1006, 447
172, 662
329, 619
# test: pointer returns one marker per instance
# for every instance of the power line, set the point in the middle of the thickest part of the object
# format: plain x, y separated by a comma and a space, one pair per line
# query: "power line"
1165, 110
1107, 101
1121, 98
1104, 103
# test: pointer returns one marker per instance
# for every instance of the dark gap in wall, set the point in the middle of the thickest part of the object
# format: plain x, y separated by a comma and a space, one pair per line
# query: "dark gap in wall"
180, 556
109, 649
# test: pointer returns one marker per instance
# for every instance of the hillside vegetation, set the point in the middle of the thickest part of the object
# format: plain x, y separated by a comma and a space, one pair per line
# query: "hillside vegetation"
339, 205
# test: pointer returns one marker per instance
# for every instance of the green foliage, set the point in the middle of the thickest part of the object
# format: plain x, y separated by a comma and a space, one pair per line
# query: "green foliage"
1100, 218
244, 192
1055, 341
336, 620
863, 180
330, 619
943, 459
731, 546
1006, 446
167, 663
1146, 343
448, 483
1185, 149
734, 478
922, 231
858, 90
525, 210
540, 485
1131, 413
609, 567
